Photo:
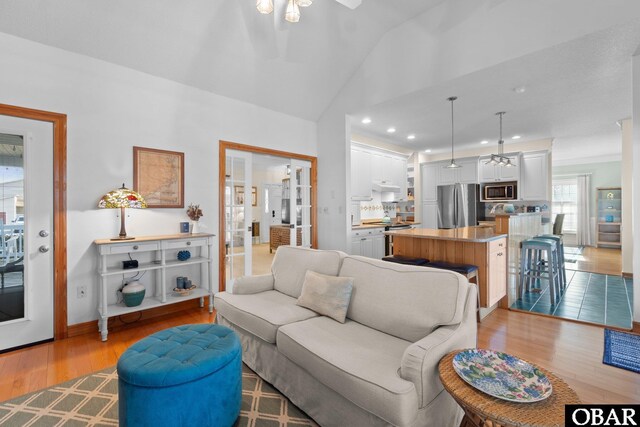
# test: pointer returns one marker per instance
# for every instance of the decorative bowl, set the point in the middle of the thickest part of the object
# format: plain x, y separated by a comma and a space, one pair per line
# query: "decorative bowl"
179, 292
502, 375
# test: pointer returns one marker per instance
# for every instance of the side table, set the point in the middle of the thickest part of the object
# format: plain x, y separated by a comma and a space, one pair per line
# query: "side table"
483, 410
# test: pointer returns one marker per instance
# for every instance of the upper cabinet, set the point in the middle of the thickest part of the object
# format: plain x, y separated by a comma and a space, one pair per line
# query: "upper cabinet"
369, 167
361, 182
493, 173
429, 181
534, 184
467, 173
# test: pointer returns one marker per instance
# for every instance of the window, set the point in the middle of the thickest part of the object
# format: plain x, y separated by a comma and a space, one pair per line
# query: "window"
565, 200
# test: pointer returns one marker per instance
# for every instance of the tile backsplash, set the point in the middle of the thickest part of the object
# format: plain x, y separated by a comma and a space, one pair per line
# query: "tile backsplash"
521, 207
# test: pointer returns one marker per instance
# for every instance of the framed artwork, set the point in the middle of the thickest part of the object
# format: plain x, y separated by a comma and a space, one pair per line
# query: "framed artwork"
238, 195
158, 175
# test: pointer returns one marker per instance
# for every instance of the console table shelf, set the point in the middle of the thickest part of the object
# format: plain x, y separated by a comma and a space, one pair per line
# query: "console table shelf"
156, 250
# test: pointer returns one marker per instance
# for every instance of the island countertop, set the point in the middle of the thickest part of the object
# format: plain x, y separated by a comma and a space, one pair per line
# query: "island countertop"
464, 234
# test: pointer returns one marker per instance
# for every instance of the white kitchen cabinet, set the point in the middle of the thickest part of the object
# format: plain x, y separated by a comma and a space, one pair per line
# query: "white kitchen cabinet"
534, 185
430, 215
429, 181
399, 176
368, 242
468, 172
493, 173
446, 175
361, 182
377, 165
387, 169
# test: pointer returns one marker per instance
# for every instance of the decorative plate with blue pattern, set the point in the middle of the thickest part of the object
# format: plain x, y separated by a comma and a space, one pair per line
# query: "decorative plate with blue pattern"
502, 375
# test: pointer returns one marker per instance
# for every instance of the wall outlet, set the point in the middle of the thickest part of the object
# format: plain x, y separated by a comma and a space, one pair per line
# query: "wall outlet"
82, 291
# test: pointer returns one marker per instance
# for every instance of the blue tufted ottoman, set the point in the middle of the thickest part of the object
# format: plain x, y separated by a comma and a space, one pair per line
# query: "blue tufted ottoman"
189, 375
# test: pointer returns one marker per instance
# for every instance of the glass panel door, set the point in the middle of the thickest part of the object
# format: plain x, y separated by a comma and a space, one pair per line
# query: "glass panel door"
26, 221
300, 205
237, 216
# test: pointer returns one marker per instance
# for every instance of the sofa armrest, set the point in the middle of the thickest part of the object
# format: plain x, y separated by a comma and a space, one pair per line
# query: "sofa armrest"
420, 360
252, 284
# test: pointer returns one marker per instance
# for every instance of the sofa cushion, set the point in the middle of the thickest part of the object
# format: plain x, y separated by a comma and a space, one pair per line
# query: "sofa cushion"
358, 362
291, 264
326, 295
260, 314
405, 301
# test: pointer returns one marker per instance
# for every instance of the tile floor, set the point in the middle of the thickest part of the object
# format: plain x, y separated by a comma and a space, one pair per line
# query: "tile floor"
590, 297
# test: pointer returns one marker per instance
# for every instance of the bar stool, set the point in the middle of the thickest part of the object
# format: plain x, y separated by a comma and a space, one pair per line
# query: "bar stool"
531, 267
560, 243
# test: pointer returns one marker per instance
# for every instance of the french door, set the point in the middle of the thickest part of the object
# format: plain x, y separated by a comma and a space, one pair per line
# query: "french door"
238, 215
292, 209
26, 224
300, 205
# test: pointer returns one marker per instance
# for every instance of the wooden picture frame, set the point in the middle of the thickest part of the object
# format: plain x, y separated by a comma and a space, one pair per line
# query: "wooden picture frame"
158, 175
238, 195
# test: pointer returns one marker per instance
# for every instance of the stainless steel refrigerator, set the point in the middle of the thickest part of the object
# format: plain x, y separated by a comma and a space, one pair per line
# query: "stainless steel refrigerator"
459, 205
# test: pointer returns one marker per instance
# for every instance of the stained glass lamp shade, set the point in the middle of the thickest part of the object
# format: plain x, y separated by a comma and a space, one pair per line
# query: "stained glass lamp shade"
122, 198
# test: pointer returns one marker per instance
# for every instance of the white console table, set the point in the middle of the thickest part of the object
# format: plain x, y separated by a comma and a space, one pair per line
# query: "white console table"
160, 256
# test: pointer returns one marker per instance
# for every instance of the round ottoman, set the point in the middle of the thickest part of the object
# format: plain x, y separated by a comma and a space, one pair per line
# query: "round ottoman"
189, 375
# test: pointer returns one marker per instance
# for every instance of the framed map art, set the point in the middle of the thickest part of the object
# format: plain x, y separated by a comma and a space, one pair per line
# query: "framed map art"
158, 175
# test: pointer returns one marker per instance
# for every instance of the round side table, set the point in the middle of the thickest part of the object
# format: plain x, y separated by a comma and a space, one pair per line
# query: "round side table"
483, 410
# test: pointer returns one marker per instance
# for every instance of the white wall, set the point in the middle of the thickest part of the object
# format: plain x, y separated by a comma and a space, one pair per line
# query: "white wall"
110, 109
627, 196
453, 39
636, 183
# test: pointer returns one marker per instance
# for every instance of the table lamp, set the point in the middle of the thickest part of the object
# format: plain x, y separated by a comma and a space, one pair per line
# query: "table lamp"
122, 198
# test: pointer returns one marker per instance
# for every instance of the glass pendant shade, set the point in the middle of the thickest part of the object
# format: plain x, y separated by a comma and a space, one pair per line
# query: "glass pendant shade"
509, 164
293, 12
304, 3
453, 165
264, 6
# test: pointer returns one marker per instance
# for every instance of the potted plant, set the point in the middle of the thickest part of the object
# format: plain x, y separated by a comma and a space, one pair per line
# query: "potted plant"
194, 213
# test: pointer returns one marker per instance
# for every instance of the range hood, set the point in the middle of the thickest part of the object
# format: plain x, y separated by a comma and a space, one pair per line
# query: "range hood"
385, 187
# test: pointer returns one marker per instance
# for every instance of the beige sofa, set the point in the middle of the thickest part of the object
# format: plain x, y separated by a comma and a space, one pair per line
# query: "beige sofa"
380, 366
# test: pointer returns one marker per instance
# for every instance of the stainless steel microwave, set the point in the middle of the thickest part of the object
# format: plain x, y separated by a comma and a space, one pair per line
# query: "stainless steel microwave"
503, 191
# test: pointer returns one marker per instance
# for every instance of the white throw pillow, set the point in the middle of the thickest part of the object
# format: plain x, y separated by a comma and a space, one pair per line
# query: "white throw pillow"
326, 295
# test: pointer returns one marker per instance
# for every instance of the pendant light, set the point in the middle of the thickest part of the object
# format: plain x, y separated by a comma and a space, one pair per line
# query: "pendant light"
264, 6
453, 164
500, 159
293, 12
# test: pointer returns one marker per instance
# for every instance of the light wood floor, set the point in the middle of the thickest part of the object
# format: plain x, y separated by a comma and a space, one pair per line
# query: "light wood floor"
599, 260
571, 350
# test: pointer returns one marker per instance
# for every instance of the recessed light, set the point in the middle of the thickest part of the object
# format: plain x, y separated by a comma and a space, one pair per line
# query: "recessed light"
411, 137
391, 130
484, 142
366, 120
516, 137
520, 89
427, 151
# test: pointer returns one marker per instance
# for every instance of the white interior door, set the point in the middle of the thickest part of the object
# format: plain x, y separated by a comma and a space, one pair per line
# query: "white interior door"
300, 204
26, 226
238, 215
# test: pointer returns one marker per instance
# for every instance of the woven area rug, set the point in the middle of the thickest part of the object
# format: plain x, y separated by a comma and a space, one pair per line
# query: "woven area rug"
93, 401
622, 350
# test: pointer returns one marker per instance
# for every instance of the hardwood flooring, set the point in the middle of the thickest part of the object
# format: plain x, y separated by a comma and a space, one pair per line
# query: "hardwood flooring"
571, 350
599, 260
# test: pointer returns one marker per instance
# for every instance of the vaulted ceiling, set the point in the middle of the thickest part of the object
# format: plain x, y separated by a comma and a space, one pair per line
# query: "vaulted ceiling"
222, 46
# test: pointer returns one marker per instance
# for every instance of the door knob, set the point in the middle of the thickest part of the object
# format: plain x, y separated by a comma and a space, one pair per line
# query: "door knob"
43, 233
43, 248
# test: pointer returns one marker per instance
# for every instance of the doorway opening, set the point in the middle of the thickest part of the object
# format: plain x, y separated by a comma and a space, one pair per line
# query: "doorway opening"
267, 199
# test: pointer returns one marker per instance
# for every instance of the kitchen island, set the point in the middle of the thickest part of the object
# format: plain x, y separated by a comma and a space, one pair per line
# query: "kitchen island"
479, 246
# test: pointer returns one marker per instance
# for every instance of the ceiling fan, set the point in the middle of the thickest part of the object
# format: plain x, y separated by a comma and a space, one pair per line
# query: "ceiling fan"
292, 13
